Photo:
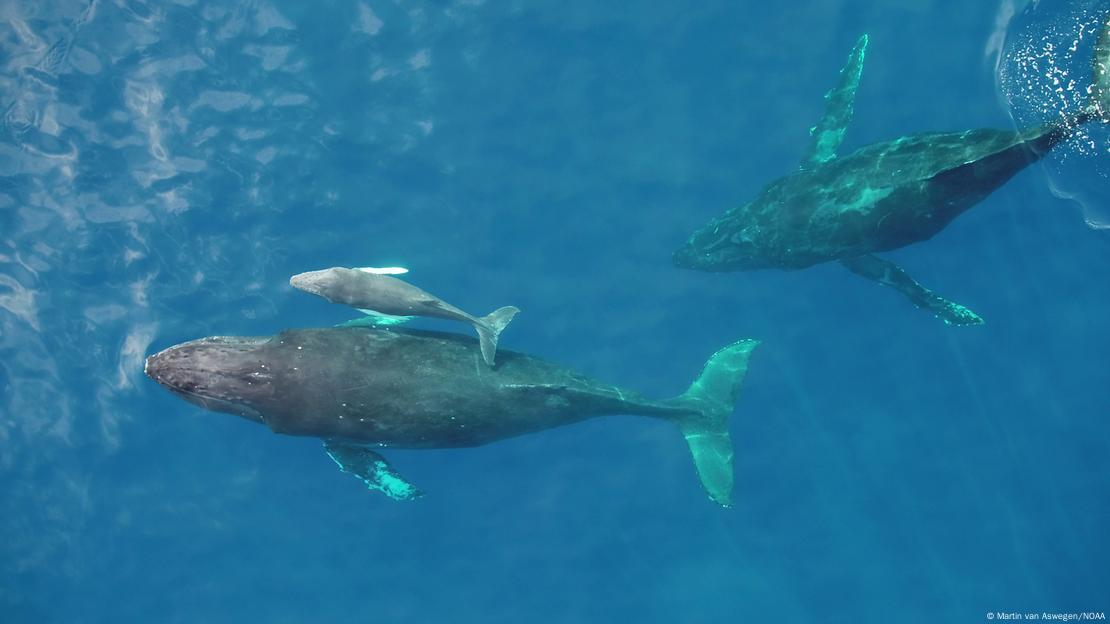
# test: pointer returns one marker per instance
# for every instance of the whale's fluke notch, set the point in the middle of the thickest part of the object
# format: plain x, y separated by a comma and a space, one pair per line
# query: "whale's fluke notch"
371, 468
711, 399
489, 329
828, 134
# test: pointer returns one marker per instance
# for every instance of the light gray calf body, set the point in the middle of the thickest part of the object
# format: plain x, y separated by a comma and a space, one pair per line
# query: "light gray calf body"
388, 295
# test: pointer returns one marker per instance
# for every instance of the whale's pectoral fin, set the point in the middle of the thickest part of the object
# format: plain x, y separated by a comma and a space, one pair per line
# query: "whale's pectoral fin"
372, 469
839, 102
887, 273
375, 319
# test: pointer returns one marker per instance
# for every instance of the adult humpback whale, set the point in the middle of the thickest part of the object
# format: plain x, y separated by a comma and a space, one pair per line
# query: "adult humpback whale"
361, 389
882, 196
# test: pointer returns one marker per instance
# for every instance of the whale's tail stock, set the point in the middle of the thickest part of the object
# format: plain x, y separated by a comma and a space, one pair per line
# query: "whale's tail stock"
706, 406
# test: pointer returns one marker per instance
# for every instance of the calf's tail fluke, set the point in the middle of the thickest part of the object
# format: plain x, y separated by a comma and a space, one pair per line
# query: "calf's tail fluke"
709, 402
489, 329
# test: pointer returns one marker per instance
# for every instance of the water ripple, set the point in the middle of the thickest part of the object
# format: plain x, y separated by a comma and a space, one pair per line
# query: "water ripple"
162, 168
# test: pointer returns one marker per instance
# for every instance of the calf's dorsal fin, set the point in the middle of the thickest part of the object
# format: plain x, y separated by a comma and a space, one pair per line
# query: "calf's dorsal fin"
839, 101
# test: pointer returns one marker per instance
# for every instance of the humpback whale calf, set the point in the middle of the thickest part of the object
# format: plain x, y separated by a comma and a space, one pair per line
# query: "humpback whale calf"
378, 294
882, 196
362, 389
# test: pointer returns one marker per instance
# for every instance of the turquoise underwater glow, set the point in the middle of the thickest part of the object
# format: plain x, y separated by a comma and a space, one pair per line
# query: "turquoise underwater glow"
166, 167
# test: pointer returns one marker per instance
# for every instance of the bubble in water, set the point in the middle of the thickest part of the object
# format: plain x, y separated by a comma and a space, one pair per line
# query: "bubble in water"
1045, 73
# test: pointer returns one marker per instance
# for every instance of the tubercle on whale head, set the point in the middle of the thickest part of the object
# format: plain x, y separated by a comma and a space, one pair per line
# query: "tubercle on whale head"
217, 373
713, 249
314, 282
688, 257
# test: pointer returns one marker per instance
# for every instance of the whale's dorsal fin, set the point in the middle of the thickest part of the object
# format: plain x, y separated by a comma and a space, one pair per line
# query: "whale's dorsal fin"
829, 131
563, 395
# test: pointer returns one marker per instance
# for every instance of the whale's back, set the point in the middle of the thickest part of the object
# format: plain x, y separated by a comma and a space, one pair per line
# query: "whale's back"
416, 389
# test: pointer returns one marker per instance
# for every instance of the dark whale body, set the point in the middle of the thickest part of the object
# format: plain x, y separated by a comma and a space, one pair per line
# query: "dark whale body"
361, 389
881, 197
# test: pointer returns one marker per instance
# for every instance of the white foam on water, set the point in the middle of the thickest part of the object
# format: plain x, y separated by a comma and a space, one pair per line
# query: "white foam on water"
1043, 69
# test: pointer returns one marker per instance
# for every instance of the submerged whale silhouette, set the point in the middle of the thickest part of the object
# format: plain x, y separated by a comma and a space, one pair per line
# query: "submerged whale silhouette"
363, 389
882, 196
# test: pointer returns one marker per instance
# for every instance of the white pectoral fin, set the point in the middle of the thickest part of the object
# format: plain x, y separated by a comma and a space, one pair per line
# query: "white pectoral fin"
383, 270
372, 469
373, 317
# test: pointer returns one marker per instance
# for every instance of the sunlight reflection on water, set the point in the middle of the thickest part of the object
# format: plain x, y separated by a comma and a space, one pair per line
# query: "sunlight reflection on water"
1044, 71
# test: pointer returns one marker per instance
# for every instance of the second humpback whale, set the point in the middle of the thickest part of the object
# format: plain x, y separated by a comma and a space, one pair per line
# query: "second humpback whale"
882, 196
364, 389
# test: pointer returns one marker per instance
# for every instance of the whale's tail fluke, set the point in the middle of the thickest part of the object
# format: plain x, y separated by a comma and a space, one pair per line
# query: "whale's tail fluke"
1100, 89
709, 402
489, 329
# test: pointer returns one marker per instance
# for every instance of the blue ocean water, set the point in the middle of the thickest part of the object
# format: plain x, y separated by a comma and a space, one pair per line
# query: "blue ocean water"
165, 167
